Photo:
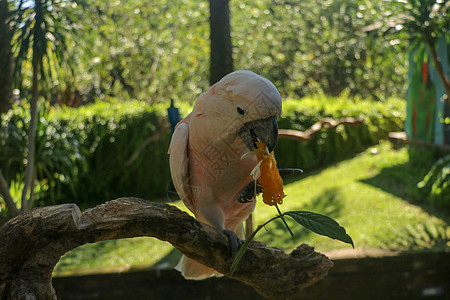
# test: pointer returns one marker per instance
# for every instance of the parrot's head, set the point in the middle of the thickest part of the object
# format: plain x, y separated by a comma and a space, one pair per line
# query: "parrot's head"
243, 104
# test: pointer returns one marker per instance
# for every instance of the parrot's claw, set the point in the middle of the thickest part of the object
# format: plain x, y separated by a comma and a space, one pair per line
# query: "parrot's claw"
248, 192
241, 199
235, 242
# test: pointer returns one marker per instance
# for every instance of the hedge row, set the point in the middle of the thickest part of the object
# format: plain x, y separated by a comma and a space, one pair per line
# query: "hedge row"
111, 133
330, 145
107, 134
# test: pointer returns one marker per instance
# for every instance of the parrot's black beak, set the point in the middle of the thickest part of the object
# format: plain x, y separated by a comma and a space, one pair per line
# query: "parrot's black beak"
264, 130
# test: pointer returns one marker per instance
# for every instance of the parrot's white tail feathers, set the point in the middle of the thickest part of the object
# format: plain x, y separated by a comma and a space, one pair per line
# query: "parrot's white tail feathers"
193, 270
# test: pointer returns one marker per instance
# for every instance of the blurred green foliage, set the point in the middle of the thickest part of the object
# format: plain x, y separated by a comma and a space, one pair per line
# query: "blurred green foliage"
158, 50
426, 20
59, 153
308, 47
147, 51
435, 186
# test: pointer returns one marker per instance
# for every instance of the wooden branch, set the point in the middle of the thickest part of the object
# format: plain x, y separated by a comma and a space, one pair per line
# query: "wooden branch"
308, 134
399, 139
33, 243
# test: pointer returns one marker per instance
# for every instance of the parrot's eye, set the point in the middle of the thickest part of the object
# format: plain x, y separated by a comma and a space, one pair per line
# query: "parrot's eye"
240, 111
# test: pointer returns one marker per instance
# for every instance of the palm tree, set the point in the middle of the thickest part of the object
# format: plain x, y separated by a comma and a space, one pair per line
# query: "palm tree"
40, 32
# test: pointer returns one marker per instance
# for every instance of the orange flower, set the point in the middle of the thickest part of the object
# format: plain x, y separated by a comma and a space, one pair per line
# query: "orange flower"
269, 178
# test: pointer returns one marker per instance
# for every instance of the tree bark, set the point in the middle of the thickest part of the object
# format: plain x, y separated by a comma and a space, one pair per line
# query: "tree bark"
33, 243
220, 37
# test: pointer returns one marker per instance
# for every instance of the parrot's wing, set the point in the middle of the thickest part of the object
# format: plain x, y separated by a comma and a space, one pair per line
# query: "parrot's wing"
178, 161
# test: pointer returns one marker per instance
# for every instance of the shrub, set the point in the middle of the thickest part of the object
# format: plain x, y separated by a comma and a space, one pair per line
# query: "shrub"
111, 132
436, 184
59, 158
329, 145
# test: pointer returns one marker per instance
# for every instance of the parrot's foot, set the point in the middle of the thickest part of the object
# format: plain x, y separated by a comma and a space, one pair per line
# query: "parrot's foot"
248, 192
289, 171
235, 242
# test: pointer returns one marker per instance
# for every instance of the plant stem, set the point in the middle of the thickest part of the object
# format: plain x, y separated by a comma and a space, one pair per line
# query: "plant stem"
284, 221
244, 247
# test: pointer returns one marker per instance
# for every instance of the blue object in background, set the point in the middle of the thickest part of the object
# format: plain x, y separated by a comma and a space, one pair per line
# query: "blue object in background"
426, 109
173, 114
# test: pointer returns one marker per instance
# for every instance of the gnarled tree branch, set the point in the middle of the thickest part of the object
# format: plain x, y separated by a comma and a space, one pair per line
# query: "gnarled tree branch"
33, 243
310, 132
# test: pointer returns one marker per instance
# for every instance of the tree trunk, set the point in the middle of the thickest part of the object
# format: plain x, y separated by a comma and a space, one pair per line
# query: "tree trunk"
28, 189
221, 48
5, 59
33, 243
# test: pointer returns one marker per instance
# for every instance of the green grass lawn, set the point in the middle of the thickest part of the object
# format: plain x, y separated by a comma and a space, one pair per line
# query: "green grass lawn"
372, 195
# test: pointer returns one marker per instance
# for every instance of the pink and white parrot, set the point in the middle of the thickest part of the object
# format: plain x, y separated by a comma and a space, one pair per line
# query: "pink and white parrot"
205, 154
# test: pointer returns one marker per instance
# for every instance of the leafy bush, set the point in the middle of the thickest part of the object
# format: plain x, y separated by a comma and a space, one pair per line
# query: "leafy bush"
111, 132
329, 145
436, 184
59, 158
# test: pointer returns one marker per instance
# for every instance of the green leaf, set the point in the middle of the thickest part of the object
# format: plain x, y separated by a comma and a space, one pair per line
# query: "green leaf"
321, 224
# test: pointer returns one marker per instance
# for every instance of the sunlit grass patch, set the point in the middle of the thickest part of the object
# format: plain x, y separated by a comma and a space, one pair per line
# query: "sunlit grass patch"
115, 255
377, 207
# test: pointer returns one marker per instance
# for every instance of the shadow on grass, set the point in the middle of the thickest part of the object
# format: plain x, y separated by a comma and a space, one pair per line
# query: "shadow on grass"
420, 238
169, 261
328, 203
401, 180
287, 179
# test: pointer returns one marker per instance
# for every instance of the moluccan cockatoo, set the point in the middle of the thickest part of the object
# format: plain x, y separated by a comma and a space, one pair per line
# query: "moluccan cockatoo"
206, 148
